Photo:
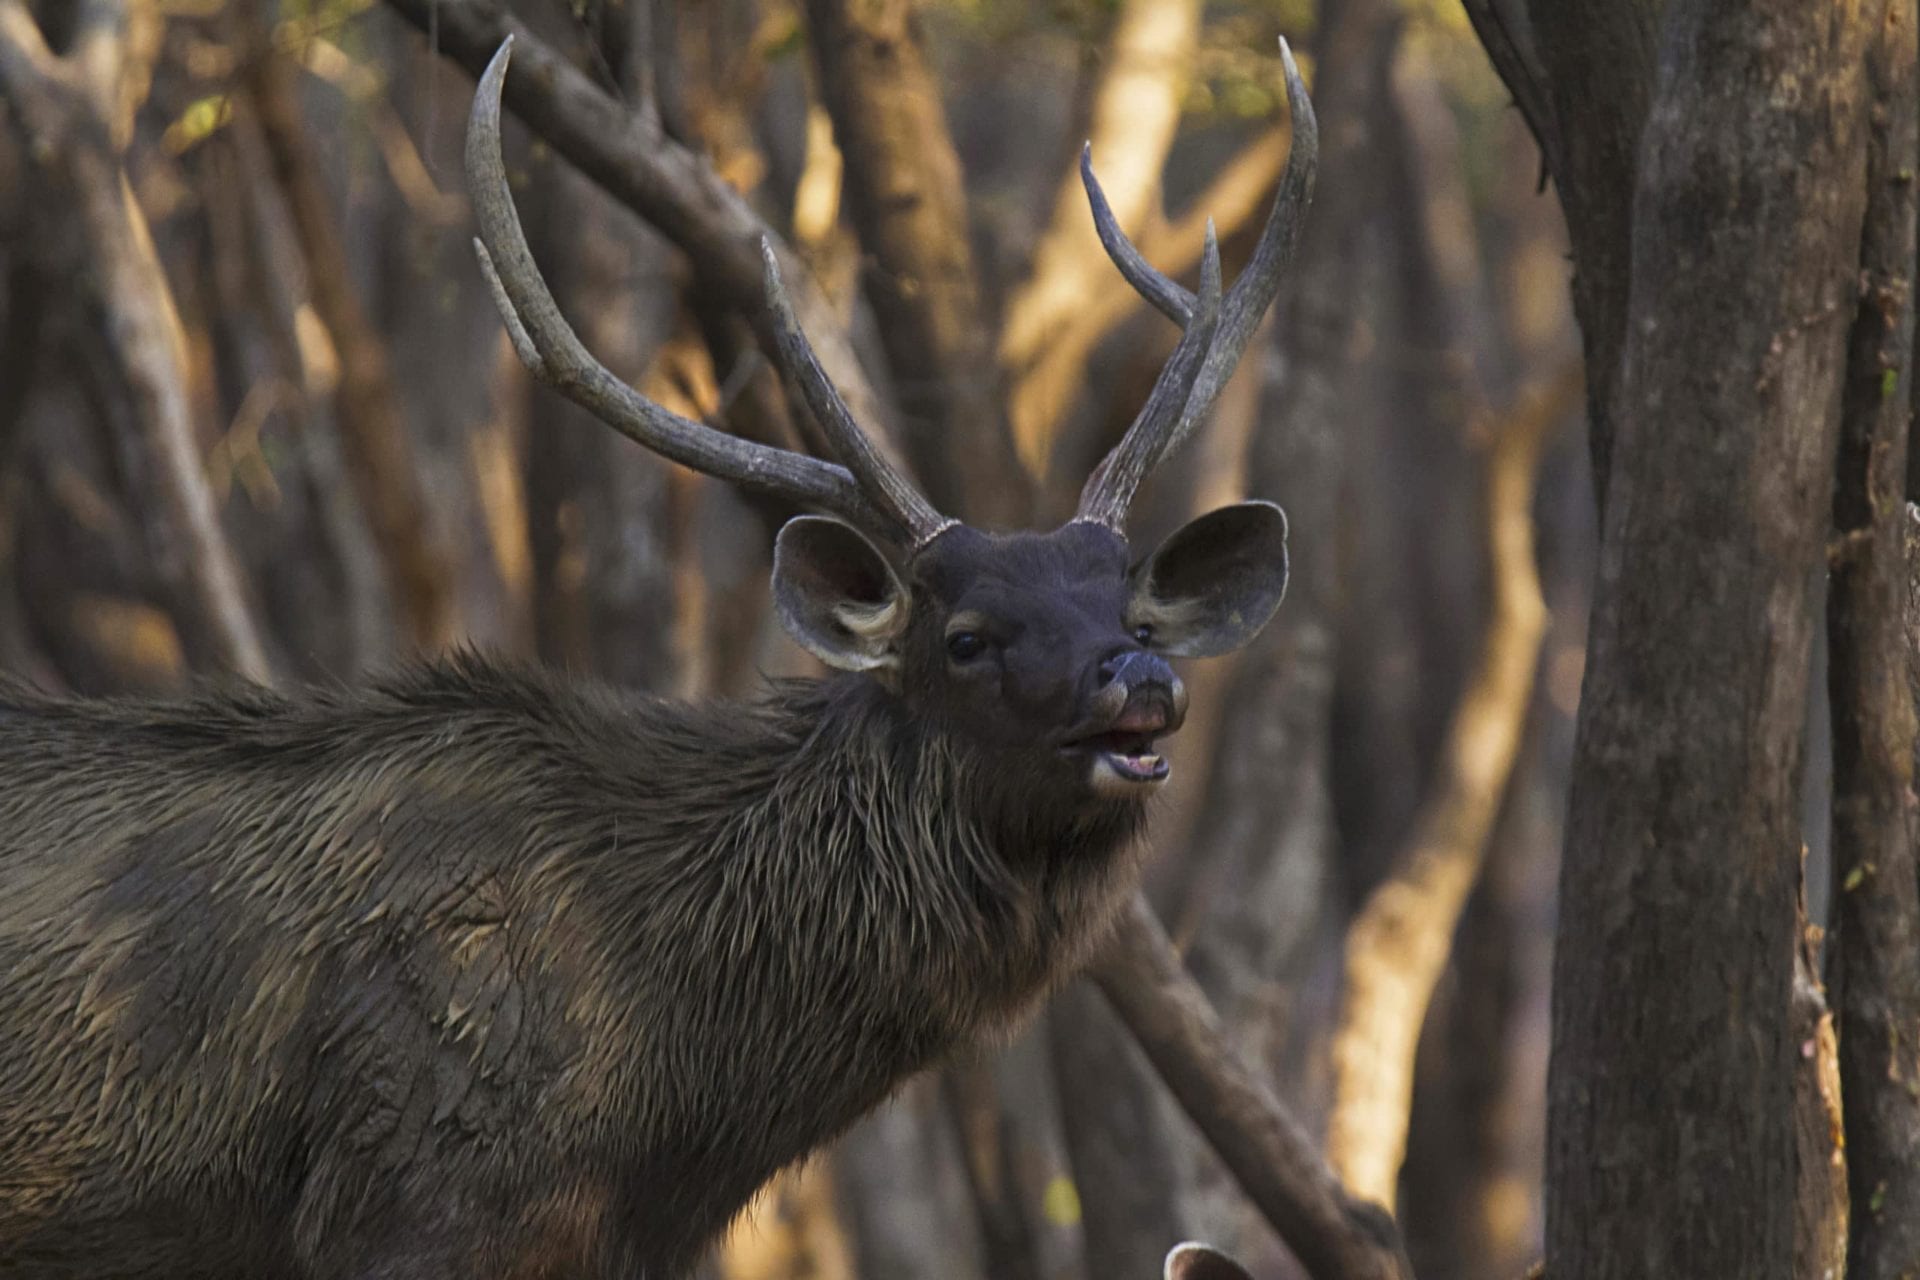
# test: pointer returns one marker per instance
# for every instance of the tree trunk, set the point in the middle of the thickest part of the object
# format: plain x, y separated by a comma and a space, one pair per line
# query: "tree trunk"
1671, 1117
1875, 965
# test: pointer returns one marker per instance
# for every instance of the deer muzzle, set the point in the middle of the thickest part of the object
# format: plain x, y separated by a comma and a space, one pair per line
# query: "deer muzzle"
1139, 701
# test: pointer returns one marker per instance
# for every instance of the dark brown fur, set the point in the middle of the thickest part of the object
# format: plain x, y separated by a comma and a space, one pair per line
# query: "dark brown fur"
481, 972
485, 972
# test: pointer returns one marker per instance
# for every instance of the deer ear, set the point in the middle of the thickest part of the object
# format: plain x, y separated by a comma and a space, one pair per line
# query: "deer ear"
1202, 1262
1213, 584
837, 595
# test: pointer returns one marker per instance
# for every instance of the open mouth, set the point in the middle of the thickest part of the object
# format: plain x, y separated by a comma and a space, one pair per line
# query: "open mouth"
1128, 758
1124, 755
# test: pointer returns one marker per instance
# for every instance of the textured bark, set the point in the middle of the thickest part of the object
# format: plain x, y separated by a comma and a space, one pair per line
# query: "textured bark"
1334, 1236
1820, 1201
1598, 63
1671, 1120
1874, 967
904, 189
51, 103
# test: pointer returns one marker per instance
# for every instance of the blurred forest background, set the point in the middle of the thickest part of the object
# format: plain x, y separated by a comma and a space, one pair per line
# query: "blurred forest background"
258, 414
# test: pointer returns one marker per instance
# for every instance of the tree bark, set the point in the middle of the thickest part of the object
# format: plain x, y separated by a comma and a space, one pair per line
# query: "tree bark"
1598, 64
140, 322
904, 187
1136, 113
1874, 969
1334, 1236
1671, 1118
1820, 1201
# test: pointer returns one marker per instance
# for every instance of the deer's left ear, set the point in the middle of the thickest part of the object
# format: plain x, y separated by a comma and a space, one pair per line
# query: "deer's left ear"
837, 595
1212, 585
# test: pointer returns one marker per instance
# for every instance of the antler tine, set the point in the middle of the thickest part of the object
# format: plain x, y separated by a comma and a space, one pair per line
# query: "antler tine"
1171, 298
1251, 294
552, 352
891, 491
1109, 490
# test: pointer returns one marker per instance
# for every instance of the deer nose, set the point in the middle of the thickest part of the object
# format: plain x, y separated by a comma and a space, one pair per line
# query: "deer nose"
1131, 667
1139, 691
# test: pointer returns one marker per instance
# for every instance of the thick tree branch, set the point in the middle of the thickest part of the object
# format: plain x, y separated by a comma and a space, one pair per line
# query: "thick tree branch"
1874, 974
1335, 1237
904, 189
1136, 113
1398, 944
671, 187
53, 103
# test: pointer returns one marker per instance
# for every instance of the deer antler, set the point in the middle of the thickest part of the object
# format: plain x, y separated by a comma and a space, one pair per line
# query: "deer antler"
1158, 431
867, 492
890, 490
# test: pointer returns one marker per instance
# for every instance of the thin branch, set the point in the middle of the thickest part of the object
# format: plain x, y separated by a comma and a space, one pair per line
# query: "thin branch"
51, 102
905, 192
1398, 944
1334, 1236
1875, 964
671, 187
1136, 113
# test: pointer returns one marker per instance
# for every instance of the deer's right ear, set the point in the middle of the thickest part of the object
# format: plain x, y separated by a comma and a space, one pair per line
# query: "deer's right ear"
837, 595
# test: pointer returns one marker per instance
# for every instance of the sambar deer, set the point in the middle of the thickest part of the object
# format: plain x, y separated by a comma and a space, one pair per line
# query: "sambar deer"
488, 972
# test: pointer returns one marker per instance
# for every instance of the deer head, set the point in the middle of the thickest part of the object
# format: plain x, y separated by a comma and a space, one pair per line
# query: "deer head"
1051, 646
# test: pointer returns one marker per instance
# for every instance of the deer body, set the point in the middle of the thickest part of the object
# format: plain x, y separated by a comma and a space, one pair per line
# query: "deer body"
515, 976
483, 974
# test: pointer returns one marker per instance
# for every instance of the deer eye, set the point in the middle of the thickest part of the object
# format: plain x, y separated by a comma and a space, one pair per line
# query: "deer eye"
1143, 635
965, 646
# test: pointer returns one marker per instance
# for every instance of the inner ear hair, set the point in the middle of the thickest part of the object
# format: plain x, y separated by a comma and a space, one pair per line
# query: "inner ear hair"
876, 623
